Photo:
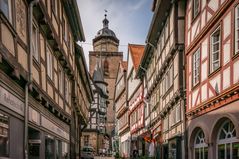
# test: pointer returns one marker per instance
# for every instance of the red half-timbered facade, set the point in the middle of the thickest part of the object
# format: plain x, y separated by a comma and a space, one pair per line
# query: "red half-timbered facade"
212, 76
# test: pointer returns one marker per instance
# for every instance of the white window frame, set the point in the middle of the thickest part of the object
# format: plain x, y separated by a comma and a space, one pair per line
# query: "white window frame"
237, 29
35, 42
196, 67
202, 145
49, 63
9, 16
227, 141
212, 52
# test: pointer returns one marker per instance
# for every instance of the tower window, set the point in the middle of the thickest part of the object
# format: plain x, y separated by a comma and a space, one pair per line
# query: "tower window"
106, 67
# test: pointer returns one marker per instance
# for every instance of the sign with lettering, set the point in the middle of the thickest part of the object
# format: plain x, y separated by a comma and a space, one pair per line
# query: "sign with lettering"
11, 101
54, 128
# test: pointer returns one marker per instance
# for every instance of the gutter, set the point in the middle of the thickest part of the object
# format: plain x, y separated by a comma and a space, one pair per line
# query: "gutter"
28, 84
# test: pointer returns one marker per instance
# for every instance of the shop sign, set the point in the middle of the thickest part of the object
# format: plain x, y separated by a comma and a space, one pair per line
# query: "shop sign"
11, 101
34, 116
54, 128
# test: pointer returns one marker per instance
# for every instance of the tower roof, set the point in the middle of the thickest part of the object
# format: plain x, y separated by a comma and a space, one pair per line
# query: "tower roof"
105, 32
98, 74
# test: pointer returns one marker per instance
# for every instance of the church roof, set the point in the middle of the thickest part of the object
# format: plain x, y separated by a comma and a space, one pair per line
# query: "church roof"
98, 74
136, 52
105, 32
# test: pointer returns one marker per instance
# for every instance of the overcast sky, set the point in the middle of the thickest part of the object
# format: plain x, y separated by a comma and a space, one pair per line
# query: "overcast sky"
129, 19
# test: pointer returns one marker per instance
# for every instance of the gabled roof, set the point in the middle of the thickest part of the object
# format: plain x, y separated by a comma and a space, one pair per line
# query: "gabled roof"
136, 52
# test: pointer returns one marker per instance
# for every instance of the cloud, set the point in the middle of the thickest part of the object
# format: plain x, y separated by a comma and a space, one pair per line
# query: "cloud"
128, 19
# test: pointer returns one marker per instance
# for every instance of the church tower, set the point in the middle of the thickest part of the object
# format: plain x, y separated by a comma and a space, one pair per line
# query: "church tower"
105, 45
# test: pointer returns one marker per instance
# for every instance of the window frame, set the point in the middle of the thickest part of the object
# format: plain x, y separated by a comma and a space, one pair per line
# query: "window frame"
49, 62
217, 30
194, 15
194, 63
236, 30
9, 16
61, 80
8, 134
200, 146
35, 48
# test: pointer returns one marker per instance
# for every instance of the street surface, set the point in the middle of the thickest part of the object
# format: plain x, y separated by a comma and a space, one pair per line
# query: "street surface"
100, 157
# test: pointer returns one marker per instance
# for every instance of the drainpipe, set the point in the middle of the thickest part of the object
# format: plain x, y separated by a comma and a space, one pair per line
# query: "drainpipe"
28, 84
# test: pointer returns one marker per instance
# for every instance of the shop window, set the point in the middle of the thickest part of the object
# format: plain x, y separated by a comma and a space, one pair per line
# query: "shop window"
200, 147
196, 67
227, 143
6, 8
49, 147
65, 151
215, 50
4, 136
237, 29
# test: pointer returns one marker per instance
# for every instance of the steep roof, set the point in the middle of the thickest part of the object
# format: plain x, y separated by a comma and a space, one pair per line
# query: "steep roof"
136, 52
98, 74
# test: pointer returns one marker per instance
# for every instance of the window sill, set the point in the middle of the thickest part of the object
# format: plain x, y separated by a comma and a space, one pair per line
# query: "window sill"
214, 72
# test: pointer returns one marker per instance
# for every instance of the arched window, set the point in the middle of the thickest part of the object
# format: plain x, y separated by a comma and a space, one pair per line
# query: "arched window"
200, 147
227, 143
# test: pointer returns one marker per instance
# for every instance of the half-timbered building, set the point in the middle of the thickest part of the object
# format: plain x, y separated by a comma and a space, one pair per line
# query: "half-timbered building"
122, 111
44, 97
162, 71
95, 133
135, 96
212, 76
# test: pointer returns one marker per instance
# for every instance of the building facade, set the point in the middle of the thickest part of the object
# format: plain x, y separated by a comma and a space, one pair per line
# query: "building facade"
40, 81
162, 70
122, 111
211, 50
95, 133
105, 45
135, 98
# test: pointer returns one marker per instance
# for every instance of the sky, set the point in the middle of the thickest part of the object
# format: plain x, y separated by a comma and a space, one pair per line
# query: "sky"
129, 19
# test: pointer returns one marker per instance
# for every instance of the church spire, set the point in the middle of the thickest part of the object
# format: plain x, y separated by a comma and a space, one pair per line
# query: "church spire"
105, 21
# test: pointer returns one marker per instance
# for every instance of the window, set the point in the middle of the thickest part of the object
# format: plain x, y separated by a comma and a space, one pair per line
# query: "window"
5, 6
86, 140
196, 67
61, 80
168, 80
67, 89
196, 8
178, 113
237, 29
65, 151
64, 29
165, 124
200, 147
35, 36
49, 63
49, 147
4, 136
227, 143
215, 50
